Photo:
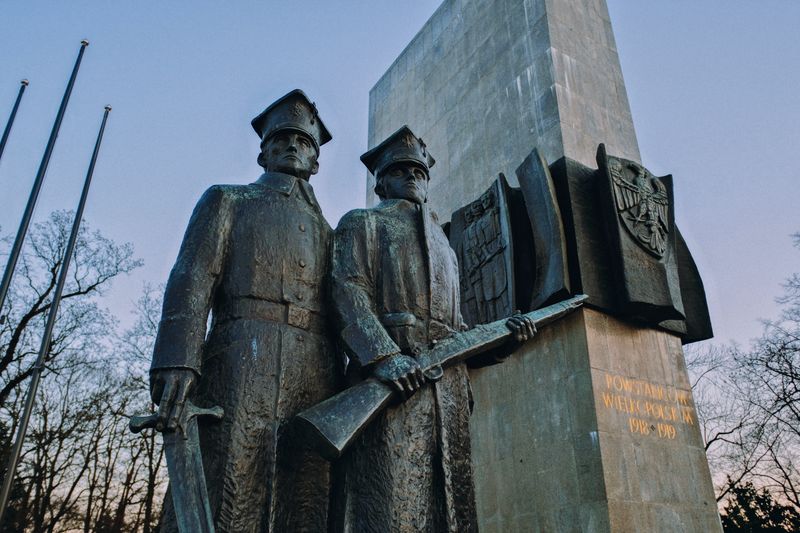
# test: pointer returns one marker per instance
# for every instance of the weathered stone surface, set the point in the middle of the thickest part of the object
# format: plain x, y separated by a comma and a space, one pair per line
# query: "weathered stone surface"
591, 427
529, 73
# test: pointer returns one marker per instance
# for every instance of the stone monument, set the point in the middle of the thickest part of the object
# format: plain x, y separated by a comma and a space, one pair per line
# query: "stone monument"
591, 427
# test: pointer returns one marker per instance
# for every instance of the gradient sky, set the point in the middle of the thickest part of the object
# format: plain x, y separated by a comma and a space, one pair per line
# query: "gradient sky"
713, 88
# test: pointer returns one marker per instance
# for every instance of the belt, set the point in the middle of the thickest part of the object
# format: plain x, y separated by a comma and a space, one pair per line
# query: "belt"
281, 313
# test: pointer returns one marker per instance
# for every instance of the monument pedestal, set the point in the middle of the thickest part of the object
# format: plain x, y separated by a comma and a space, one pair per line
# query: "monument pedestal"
590, 427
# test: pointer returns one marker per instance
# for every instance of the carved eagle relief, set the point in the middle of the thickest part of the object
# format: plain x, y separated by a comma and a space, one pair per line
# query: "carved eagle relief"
642, 204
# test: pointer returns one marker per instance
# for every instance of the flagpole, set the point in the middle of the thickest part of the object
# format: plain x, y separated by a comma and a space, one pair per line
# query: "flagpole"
22, 86
38, 367
37, 186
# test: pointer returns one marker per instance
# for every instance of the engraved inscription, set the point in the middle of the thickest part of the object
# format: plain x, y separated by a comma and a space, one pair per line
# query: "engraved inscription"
653, 409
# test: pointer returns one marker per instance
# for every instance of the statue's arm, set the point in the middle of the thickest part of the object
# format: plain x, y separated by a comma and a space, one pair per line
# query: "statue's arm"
187, 301
353, 285
191, 285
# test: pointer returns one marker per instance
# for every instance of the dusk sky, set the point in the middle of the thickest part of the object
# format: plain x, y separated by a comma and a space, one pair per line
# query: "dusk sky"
713, 88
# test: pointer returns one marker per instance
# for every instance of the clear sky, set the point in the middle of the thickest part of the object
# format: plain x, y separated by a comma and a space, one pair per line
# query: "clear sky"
713, 89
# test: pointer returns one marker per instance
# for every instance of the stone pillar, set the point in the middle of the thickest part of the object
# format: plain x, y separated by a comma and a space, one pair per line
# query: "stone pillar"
486, 81
591, 427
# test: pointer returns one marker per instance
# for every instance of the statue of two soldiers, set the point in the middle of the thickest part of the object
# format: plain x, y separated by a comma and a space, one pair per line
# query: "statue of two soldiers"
284, 291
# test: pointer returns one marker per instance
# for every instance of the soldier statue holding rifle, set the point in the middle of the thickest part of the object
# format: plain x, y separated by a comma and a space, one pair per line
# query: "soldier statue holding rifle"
395, 293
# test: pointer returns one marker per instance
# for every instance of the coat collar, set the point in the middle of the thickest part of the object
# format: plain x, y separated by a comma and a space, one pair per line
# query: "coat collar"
286, 183
400, 204
407, 206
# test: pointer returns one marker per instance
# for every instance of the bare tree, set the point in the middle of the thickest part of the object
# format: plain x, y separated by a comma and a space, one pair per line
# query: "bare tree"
135, 346
730, 424
748, 400
772, 368
80, 467
82, 324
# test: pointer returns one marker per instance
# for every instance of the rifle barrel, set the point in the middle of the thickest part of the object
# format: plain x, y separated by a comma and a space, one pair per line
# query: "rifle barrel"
332, 425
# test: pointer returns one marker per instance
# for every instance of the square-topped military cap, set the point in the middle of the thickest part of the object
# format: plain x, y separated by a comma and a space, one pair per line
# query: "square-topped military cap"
296, 112
400, 146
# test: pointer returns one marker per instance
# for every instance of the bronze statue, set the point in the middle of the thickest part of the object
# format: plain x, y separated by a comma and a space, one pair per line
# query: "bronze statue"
257, 257
395, 293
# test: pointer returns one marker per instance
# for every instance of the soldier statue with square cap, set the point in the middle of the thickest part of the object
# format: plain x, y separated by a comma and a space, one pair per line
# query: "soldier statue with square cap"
256, 256
395, 293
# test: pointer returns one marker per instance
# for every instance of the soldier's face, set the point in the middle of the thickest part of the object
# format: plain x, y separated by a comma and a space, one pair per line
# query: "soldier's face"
406, 181
289, 152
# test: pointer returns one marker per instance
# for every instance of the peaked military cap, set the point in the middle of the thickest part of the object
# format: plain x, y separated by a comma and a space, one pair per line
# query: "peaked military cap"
401, 146
294, 111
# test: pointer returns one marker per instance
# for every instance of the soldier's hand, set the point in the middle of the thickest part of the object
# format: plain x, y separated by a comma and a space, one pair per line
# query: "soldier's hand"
521, 326
523, 329
169, 389
402, 373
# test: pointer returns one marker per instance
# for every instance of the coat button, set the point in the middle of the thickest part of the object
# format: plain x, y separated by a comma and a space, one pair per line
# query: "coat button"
302, 263
299, 297
302, 227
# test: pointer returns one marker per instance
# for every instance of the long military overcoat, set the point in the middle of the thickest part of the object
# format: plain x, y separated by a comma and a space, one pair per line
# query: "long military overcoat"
395, 290
257, 257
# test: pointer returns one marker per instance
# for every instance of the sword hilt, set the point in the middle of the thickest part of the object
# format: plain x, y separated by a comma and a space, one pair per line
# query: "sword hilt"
141, 422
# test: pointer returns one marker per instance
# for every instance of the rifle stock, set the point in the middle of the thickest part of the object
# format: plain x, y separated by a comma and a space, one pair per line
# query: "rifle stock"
332, 425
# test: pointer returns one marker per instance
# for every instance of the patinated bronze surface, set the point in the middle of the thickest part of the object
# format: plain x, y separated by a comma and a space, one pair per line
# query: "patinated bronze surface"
256, 256
511, 247
333, 425
395, 292
638, 212
550, 271
612, 260
185, 466
481, 235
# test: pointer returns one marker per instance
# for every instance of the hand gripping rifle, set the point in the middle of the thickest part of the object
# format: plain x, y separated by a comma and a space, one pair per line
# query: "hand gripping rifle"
331, 426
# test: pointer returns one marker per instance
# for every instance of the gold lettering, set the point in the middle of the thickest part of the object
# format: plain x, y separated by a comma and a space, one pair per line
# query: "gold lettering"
608, 399
666, 431
637, 425
631, 405
664, 403
660, 392
628, 384
684, 398
618, 402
